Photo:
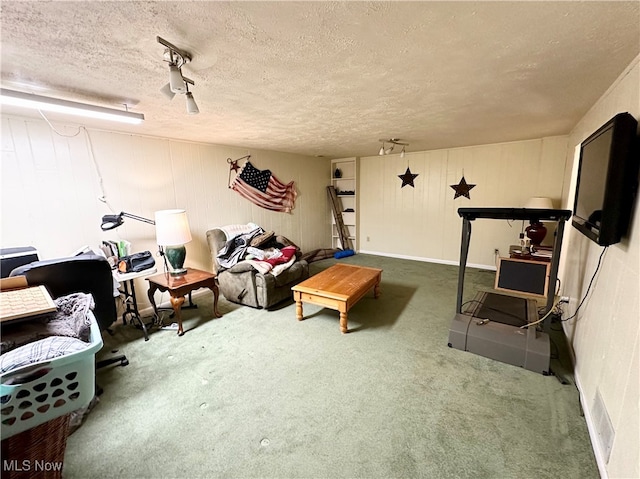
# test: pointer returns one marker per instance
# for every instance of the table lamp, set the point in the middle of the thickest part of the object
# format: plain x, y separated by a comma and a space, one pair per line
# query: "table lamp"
172, 232
536, 231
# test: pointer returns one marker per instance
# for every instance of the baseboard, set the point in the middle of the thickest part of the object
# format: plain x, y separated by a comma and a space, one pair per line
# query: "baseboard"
428, 260
588, 415
593, 433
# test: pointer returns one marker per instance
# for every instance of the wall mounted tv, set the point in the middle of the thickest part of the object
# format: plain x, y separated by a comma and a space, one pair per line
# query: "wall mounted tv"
607, 180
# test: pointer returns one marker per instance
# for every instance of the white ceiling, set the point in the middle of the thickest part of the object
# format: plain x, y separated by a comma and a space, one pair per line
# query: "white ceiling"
329, 78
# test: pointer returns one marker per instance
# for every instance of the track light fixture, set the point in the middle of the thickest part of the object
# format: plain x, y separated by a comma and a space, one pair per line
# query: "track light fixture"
392, 144
178, 84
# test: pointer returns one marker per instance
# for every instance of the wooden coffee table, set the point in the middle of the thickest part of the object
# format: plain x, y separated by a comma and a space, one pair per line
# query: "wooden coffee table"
338, 287
179, 286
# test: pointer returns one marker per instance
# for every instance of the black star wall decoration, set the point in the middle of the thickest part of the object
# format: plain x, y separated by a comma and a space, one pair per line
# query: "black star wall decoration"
407, 178
462, 188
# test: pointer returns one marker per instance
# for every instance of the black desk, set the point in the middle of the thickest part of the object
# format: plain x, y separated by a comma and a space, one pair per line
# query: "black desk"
130, 301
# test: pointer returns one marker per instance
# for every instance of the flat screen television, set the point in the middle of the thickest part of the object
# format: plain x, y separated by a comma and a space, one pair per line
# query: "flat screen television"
607, 181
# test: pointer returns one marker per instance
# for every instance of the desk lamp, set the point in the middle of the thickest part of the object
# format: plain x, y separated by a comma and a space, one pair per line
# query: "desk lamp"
110, 222
536, 231
172, 232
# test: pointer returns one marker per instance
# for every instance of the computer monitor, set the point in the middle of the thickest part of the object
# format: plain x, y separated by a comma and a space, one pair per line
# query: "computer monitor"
12, 258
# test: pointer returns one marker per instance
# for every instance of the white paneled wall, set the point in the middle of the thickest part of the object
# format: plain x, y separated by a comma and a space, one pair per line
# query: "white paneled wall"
51, 186
605, 336
423, 223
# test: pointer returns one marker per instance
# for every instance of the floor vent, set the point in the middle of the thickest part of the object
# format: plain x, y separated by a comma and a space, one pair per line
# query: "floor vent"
603, 425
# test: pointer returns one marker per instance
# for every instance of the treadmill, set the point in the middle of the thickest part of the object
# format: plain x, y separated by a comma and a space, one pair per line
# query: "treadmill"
494, 324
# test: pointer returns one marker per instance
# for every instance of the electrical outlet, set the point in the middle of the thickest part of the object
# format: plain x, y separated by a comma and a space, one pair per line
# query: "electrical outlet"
564, 299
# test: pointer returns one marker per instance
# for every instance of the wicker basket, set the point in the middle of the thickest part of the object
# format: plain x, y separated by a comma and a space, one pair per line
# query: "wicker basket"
37, 452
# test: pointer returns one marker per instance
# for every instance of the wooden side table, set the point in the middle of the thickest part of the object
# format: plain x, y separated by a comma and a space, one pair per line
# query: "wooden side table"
516, 253
179, 286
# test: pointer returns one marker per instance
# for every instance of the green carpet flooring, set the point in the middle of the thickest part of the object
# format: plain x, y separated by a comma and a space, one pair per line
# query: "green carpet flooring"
258, 394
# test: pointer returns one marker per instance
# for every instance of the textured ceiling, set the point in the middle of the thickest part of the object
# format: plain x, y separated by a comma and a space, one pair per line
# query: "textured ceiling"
328, 78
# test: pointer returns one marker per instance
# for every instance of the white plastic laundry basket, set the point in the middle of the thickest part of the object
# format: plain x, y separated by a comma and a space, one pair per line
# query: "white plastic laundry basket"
39, 392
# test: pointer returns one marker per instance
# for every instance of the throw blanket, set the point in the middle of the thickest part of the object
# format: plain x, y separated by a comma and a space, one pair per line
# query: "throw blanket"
235, 248
275, 261
231, 231
70, 320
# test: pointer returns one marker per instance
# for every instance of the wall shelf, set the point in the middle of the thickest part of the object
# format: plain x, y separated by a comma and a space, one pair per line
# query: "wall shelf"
348, 181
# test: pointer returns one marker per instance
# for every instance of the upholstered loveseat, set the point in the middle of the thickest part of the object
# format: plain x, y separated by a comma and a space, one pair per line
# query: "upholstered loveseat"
246, 282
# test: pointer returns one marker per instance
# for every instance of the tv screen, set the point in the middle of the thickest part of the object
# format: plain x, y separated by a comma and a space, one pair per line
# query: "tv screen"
607, 180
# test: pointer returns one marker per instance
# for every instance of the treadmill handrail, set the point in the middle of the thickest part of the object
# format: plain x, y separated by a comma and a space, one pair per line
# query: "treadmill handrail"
514, 214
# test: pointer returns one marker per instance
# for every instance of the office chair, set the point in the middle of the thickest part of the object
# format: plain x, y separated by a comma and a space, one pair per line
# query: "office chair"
87, 273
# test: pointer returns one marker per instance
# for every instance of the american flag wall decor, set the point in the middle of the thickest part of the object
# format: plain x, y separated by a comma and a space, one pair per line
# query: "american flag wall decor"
262, 188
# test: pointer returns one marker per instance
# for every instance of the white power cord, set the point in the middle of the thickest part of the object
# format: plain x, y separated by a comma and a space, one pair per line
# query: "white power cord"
544, 317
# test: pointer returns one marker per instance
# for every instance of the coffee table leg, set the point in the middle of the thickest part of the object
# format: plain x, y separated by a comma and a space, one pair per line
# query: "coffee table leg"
343, 322
299, 310
297, 297
376, 288
177, 305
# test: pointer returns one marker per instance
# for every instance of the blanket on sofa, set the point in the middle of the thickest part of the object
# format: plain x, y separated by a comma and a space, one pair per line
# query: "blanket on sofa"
245, 244
235, 248
275, 261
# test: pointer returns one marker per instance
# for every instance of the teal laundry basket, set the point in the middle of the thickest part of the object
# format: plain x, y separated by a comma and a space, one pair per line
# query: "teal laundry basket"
35, 394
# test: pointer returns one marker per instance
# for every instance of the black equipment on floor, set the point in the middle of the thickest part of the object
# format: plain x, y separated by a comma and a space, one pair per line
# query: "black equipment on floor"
494, 324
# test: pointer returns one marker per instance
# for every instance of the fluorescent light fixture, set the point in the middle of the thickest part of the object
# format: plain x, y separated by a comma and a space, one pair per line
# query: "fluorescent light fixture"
43, 103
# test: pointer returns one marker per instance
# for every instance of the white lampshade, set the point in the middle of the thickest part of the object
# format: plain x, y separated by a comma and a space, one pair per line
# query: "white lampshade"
172, 227
539, 203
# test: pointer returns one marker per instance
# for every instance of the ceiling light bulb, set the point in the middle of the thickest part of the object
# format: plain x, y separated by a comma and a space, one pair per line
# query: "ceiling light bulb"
166, 91
176, 81
388, 150
381, 152
402, 153
192, 108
